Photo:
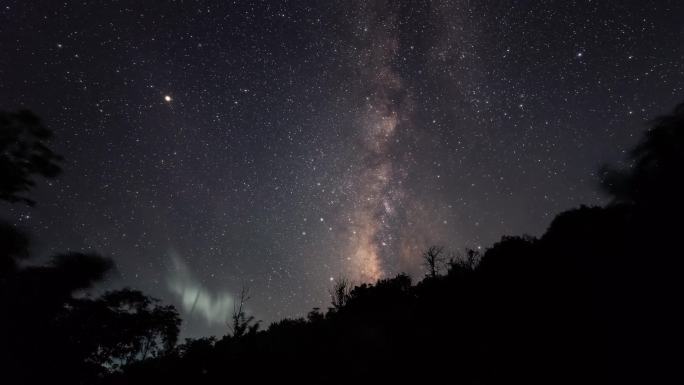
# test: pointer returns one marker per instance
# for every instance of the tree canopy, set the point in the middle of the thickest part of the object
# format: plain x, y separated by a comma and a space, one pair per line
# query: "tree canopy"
24, 154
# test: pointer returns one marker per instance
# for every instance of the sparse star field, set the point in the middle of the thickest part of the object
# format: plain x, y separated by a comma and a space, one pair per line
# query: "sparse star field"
278, 146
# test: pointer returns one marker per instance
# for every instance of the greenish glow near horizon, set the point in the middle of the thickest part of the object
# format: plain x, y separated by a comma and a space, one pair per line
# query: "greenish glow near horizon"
197, 300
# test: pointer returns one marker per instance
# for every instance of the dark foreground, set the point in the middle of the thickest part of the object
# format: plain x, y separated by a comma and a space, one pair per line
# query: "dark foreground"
593, 300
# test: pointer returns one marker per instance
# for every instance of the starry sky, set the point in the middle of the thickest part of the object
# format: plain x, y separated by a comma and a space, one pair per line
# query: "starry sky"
282, 145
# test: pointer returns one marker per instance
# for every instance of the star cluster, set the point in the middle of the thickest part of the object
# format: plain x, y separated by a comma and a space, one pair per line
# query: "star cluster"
280, 145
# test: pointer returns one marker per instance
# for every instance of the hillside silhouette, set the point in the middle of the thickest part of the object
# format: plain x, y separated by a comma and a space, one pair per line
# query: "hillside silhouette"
592, 300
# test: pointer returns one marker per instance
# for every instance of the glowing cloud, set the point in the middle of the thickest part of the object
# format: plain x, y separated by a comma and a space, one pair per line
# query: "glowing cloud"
214, 307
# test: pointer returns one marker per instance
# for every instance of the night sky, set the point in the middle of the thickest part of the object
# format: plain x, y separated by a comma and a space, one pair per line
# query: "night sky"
281, 145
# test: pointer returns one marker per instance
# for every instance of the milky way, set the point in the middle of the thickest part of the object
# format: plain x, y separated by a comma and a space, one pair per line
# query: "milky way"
377, 182
278, 146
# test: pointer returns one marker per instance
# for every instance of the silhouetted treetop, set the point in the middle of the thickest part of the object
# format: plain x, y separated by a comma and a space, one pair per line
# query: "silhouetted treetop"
24, 153
339, 293
433, 260
241, 323
80, 270
655, 175
14, 246
127, 325
508, 256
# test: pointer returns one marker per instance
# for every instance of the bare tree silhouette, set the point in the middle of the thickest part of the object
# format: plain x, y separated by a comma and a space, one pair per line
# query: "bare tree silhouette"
241, 323
433, 260
339, 293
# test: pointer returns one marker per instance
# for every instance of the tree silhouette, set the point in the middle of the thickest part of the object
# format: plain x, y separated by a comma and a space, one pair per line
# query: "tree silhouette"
241, 323
339, 293
14, 246
36, 329
125, 326
433, 259
24, 153
467, 261
654, 176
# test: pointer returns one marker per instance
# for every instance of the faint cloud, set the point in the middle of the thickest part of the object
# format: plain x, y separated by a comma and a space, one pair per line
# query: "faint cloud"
196, 300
